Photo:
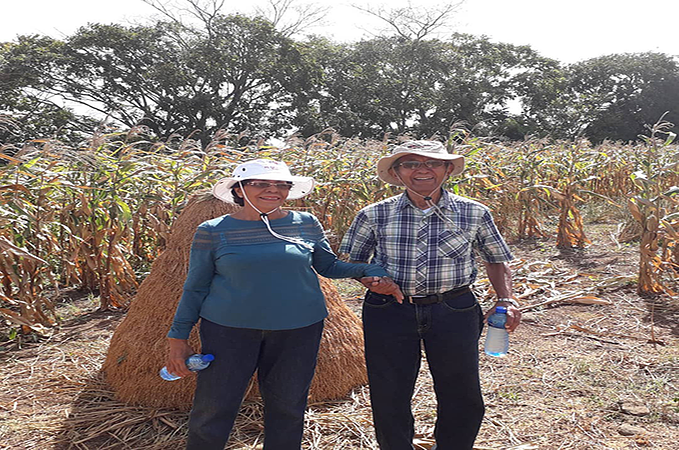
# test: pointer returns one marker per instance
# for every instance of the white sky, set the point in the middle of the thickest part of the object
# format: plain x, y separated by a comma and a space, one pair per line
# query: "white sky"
568, 31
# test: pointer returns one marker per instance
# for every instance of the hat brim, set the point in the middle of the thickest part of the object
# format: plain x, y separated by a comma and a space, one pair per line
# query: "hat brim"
301, 186
385, 163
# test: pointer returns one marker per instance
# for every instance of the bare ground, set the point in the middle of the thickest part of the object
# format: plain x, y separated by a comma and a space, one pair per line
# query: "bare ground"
593, 366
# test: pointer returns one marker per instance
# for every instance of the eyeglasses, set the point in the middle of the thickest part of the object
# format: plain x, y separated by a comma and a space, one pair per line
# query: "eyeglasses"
429, 164
284, 186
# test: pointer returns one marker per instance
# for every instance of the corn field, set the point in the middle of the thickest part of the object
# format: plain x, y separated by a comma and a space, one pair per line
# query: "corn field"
96, 217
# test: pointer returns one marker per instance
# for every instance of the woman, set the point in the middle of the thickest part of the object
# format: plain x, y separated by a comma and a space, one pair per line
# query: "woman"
252, 283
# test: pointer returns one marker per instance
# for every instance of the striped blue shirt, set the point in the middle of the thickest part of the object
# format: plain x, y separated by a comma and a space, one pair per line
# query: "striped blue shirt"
421, 252
241, 276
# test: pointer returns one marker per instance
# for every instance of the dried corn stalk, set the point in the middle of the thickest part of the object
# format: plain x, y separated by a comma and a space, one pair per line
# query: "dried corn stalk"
650, 209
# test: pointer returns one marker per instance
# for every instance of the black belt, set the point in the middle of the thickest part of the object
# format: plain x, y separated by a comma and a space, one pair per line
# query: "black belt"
437, 298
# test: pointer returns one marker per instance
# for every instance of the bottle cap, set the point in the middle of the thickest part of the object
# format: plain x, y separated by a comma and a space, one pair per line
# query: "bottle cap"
207, 358
501, 309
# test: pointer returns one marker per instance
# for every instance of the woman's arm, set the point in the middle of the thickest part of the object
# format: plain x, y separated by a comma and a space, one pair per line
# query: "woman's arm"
196, 286
326, 263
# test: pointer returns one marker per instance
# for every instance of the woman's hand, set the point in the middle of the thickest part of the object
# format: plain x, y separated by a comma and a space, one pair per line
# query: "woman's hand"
384, 286
176, 358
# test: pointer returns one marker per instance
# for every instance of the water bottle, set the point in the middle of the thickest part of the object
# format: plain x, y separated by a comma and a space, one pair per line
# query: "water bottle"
497, 338
194, 363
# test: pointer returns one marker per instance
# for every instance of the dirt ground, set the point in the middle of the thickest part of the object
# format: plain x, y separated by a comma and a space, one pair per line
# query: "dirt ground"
593, 366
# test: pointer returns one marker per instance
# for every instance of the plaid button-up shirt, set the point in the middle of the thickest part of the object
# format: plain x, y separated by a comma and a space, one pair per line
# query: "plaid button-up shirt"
421, 252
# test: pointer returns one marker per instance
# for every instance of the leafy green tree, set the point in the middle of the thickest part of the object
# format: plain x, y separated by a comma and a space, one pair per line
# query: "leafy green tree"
27, 111
622, 93
422, 87
485, 79
235, 74
546, 108
610, 97
178, 80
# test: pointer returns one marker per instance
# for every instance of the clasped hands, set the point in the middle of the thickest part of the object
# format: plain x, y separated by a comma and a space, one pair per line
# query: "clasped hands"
384, 286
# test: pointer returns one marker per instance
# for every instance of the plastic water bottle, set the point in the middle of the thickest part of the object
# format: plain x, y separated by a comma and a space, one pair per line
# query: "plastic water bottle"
497, 338
194, 363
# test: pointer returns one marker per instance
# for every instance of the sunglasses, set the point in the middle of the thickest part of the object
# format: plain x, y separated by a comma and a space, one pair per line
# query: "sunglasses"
413, 165
282, 185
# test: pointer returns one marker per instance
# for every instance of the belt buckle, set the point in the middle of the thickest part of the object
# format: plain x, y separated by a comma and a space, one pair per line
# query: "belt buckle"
438, 297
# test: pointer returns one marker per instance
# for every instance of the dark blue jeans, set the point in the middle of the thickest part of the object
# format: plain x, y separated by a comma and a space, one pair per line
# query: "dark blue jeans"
285, 361
449, 331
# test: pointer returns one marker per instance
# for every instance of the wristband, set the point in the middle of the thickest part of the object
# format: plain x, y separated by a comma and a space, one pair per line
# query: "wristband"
509, 300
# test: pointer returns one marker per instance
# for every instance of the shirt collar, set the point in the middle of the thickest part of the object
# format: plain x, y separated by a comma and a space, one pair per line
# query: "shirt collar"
448, 201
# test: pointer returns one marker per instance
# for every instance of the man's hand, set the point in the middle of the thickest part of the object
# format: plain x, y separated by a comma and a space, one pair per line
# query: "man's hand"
513, 315
384, 286
176, 358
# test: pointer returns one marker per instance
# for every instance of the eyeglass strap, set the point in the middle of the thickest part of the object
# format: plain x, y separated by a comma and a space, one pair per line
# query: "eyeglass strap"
428, 198
265, 219
292, 240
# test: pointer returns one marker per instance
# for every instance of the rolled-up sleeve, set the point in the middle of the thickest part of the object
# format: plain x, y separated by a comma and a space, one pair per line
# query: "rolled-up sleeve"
359, 242
490, 243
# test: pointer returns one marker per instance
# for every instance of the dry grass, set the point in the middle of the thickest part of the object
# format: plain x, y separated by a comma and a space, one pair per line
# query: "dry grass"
574, 374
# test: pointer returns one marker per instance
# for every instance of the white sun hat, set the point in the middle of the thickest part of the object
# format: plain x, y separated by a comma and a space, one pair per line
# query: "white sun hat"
430, 149
262, 169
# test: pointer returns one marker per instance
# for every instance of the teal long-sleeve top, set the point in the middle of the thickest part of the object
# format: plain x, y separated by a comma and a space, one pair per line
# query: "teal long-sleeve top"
242, 276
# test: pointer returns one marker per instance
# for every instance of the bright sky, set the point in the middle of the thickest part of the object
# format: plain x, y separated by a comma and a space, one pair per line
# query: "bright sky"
568, 31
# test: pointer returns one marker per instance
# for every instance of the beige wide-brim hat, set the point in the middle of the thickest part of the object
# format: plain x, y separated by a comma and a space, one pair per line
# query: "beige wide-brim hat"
430, 149
262, 169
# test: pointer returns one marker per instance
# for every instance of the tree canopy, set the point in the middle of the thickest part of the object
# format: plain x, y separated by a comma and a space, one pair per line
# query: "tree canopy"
240, 74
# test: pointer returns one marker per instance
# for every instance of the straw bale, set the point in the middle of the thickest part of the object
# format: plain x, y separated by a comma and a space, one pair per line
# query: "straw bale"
138, 347
341, 364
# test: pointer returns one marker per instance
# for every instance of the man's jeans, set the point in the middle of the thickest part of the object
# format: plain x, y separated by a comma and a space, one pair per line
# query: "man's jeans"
450, 333
285, 361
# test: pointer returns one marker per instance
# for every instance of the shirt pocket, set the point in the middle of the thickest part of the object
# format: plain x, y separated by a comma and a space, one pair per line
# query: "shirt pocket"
453, 244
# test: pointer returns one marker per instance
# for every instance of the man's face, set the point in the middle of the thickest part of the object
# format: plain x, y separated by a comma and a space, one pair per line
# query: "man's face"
423, 179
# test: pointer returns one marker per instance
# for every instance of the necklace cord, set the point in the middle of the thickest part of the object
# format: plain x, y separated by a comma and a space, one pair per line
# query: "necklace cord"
427, 198
265, 219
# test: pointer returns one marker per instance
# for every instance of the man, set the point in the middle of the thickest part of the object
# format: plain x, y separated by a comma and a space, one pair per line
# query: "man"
426, 240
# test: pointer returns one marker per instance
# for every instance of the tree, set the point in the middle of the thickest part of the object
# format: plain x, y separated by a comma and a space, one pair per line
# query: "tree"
238, 74
413, 22
625, 92
610, 97
290, 17
422, 87
27, 111
546, 107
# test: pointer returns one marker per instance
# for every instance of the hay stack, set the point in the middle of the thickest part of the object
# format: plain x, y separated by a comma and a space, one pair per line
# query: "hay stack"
138, 346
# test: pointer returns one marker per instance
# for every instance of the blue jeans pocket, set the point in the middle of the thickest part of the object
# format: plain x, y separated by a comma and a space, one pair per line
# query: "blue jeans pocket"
462, 303
378, 300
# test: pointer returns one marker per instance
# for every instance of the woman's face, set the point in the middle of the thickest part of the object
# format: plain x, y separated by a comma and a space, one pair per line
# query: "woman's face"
265, 195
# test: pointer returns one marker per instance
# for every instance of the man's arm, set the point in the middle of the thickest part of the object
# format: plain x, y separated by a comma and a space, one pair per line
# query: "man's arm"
500, 276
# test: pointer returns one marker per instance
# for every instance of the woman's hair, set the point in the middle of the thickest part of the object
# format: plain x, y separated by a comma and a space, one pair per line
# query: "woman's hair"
236, 198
